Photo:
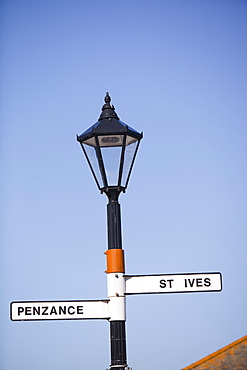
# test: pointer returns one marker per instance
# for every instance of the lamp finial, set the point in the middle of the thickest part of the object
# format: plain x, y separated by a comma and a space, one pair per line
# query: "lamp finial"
107, 98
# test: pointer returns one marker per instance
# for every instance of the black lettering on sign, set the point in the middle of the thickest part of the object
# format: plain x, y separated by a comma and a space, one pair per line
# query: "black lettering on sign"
191, 282
20, 310
62, 310
36, 310
53, 310
170, 283
198, 282
28, 311
69, 311
162, 283
45, 308
80, 310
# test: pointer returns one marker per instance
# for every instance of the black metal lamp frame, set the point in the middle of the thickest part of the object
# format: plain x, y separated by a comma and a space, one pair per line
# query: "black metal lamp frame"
109, 125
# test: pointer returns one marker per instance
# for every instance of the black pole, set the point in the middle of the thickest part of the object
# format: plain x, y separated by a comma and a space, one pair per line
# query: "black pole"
117, 328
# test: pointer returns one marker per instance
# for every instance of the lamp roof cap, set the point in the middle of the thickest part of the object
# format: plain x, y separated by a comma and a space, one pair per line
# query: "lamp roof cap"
109, 124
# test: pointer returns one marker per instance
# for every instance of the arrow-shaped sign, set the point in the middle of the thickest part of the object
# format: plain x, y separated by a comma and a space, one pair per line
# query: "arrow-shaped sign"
59, 310
176, 283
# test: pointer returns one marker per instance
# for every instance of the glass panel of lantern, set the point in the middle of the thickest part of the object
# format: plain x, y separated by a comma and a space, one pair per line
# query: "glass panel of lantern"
111, 149
91, 155
130, 151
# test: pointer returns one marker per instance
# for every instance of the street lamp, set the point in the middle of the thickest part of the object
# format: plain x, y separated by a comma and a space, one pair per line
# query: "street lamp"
110, 147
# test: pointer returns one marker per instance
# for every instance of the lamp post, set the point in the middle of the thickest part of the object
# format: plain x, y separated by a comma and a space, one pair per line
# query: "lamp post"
110, 147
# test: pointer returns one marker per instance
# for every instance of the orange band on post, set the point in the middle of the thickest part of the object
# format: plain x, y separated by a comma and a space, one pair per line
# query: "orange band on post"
115, 260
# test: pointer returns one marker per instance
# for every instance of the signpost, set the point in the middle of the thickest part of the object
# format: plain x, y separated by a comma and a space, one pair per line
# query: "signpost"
134, 284
112, 136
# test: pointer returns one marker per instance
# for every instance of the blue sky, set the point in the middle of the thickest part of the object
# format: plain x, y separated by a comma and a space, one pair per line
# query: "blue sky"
175, 70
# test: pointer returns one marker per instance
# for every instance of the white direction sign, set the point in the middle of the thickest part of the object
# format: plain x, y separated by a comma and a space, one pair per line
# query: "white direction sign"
176, 283
59, 310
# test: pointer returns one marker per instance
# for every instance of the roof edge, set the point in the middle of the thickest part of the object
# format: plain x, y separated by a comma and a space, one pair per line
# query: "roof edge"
214, 354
